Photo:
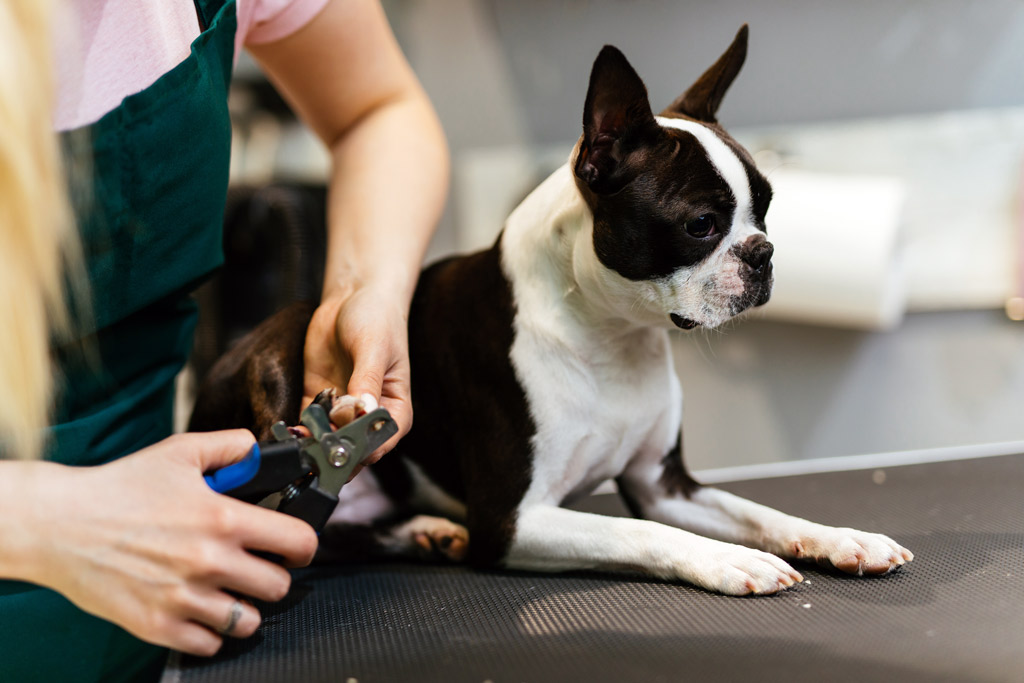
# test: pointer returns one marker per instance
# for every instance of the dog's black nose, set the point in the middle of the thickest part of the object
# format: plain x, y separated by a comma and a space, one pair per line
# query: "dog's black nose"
757, 254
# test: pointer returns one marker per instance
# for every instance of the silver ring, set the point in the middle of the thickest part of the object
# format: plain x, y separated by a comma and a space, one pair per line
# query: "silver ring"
233, 618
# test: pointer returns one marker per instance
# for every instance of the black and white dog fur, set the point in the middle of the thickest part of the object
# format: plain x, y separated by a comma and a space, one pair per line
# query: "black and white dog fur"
541, 367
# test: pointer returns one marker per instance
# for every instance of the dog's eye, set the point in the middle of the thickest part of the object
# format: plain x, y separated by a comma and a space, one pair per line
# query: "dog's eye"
702, 226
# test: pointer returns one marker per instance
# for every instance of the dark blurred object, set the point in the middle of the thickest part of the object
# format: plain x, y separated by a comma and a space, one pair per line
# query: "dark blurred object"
274, 246
265, 98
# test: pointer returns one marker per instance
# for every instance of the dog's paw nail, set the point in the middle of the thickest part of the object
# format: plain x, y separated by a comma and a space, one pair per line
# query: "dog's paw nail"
850, 562
423, 541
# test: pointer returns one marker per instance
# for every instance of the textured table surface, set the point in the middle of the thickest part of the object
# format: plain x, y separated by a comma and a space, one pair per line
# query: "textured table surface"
954, 614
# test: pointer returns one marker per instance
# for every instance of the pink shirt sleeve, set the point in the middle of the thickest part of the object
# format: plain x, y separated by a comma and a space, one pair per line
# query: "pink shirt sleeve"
106, 50
264, 21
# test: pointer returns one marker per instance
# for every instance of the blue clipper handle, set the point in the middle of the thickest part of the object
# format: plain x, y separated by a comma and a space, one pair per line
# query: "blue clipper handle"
237, 474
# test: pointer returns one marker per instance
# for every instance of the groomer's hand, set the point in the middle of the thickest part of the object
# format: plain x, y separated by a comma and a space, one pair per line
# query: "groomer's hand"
145, 543
358, 342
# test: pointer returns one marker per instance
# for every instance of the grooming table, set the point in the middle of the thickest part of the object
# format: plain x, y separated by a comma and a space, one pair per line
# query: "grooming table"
956, 613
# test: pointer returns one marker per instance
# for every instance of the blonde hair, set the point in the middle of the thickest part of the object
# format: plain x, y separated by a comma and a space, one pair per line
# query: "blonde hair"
38, 242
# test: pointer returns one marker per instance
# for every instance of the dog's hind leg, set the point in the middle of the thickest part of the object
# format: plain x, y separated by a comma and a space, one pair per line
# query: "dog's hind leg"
421, 537
370, 524
660, 490
549, 538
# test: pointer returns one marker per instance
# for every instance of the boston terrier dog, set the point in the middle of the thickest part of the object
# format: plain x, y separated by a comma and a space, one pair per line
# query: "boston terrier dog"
541, 367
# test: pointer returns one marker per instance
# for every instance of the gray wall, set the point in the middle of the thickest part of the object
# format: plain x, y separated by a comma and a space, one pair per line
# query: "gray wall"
764, 392
515, 73
516, 70
809, 59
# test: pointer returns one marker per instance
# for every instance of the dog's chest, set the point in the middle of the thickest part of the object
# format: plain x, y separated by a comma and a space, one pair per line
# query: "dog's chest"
600, 390
596, 406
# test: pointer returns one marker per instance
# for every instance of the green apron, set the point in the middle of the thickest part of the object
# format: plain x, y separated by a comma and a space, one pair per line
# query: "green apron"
151, 231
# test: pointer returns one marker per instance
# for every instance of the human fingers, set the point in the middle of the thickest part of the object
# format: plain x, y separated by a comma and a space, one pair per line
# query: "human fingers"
213, 450
326, 363
396, 398
189, 637
348, 408
400, 409
256, 577
225, 614
170, 624
371, 362
382, 377
270, 531
383, 371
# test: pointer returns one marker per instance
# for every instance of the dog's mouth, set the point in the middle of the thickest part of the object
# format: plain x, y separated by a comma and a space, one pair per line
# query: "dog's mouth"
683, 323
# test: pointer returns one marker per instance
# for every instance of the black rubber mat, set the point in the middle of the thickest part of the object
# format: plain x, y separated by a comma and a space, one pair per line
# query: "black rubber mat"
954, 614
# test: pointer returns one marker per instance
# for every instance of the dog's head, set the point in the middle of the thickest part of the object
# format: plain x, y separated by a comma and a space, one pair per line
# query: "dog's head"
678, 205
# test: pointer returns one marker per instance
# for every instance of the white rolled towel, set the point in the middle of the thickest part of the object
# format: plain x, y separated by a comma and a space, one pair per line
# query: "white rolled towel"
838, 259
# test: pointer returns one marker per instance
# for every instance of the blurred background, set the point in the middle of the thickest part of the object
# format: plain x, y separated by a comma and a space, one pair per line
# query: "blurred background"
893, 133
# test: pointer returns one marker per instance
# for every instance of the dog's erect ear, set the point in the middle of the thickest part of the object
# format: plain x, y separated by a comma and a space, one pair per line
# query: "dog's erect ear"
703, 97
615, 116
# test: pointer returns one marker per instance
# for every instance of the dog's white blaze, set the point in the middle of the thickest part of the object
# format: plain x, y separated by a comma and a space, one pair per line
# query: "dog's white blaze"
686, 292
722, 158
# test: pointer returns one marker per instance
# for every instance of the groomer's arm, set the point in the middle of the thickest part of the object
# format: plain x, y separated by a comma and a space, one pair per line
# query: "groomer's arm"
346, 77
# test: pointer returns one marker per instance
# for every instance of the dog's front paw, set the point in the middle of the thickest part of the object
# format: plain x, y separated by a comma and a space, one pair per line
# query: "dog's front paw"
852, 551
736, 570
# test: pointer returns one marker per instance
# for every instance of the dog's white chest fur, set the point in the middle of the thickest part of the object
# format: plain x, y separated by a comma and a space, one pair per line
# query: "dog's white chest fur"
600, 390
